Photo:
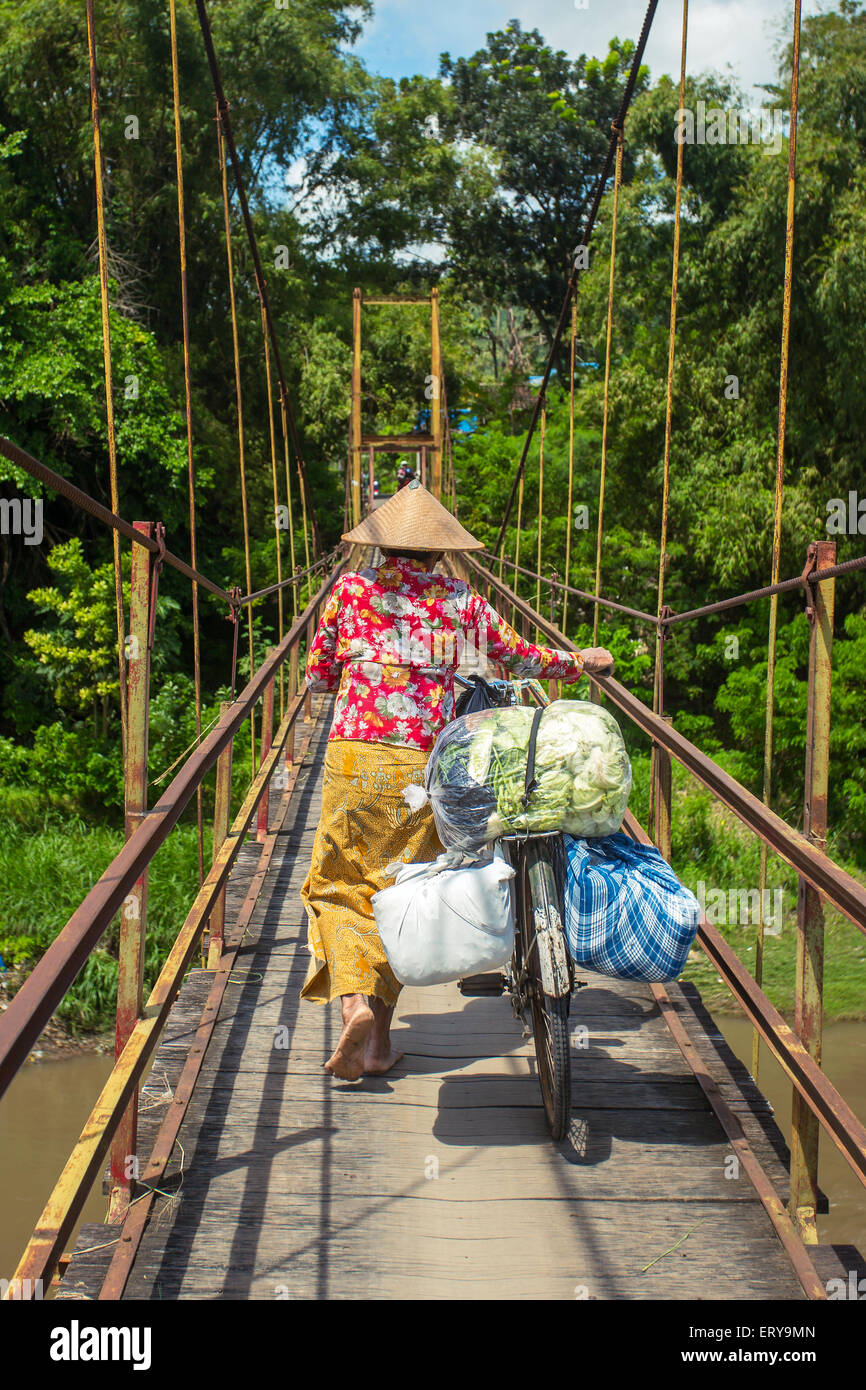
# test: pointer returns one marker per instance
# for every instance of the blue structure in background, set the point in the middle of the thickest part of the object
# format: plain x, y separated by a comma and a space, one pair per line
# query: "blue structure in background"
537, 380
464, 421
461, 419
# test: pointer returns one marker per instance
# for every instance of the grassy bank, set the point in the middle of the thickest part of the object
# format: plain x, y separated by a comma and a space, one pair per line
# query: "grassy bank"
49, 860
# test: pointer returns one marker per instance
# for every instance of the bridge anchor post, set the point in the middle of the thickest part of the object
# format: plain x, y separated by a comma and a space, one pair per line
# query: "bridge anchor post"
123, 1161
809, 989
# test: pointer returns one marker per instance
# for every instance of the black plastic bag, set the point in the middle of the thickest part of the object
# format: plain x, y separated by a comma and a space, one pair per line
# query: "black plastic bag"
482, 696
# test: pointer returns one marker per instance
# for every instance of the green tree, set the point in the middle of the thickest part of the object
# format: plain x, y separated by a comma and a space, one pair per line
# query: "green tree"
537, 125
76, 645
77, 652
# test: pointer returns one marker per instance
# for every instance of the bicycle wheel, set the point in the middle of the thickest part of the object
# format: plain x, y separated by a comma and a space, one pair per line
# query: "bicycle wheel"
548, 983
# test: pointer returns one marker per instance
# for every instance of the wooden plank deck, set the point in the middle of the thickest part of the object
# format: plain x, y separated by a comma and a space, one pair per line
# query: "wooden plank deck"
439, 1180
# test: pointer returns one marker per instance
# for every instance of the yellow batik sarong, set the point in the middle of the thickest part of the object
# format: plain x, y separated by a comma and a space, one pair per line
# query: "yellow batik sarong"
365, 824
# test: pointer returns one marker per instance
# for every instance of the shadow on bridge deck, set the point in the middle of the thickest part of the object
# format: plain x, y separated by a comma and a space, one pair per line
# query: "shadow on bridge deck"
439, 1180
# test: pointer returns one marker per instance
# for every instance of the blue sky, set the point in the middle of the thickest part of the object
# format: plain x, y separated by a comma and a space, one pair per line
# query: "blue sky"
407, 36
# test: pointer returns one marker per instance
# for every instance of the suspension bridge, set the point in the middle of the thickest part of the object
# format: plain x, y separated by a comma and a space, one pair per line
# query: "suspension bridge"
235, 1167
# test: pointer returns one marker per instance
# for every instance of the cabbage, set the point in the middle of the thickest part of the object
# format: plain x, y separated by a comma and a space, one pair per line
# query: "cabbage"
477, 772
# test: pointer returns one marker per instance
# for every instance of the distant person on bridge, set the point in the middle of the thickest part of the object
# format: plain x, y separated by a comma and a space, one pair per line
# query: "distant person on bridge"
404, 476
390, 641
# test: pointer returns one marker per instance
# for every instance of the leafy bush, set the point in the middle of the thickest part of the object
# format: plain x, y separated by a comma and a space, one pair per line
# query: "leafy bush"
47, 873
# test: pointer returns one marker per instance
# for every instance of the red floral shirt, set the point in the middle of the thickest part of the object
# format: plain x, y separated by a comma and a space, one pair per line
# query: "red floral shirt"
391, 639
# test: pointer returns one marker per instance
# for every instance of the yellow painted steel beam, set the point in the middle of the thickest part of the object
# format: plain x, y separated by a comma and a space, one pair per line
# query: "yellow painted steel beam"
355, 481
436, 388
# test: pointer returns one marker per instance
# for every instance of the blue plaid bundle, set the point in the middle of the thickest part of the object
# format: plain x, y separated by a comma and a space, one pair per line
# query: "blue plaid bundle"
626, 912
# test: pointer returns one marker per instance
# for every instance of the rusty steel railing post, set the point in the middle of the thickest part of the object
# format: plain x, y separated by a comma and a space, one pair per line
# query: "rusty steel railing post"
221, 823
658, 708
293, 690
267, 740
662, 809
553, 685
356, 434
436, 399
311, 632
809, 989
661, 765
123, 1161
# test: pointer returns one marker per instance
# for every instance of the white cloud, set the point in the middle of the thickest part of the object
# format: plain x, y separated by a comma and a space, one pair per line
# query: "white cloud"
406, 37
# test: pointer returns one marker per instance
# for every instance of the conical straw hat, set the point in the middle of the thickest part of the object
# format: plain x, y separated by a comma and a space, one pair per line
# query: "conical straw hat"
413, 520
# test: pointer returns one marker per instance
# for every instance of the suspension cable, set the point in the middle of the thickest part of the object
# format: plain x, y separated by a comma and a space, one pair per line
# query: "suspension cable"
618, 124
800, 581
669, 400
569, 518
187, 378
540, 513
276, 491
305, 517
325, 562
346, 482
106, 356
617, 183
285, 429
228, 135
661, 633
448, 471
591, 598
517, 542
62, 486
240, 408
779, 494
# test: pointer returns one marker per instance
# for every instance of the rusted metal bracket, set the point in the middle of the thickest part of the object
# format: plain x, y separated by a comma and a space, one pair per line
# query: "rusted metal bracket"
155, 571
234, 617
805, 579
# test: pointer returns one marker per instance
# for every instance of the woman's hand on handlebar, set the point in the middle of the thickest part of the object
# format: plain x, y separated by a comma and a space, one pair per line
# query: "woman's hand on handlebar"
597, 661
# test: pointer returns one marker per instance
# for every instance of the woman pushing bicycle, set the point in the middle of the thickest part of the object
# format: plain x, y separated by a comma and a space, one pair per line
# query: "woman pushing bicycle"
390, 641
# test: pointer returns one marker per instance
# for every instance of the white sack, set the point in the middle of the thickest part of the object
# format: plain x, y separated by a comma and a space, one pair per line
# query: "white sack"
440, 923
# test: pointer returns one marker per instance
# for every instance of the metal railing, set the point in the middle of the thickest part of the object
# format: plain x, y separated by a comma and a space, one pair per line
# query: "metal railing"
798, 1049
112, 1125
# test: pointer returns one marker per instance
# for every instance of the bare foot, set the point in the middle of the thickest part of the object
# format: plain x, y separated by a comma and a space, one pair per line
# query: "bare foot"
348, 1060
376, 1062
379, 1055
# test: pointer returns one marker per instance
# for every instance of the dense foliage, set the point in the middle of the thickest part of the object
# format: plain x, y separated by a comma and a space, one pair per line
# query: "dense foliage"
477, 181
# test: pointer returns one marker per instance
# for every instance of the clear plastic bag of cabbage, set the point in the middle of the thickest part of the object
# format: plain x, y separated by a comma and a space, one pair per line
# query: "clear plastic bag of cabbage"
476, 775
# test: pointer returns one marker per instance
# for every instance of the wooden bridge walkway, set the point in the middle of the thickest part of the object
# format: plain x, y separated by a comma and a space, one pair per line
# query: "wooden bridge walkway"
439, 1180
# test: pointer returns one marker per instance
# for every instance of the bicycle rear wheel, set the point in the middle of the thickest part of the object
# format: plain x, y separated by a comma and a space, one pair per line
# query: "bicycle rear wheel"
548, 982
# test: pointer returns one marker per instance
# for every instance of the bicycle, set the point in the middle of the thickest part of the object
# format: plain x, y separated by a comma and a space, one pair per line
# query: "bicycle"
540, 975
